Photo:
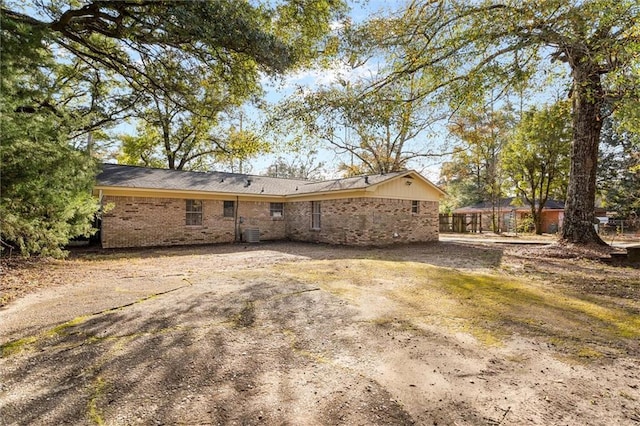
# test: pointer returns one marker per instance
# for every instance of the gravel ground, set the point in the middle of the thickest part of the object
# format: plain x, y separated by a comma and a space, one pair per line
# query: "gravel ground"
294, 334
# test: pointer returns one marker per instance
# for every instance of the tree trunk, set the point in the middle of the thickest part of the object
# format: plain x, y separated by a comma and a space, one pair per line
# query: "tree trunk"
587, 123
537, 219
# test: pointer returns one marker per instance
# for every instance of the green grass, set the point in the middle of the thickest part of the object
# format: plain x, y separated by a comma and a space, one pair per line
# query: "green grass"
14, 346
97, 391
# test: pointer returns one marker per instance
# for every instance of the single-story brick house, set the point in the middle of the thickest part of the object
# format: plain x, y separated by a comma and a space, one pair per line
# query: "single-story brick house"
511, 211
157, 207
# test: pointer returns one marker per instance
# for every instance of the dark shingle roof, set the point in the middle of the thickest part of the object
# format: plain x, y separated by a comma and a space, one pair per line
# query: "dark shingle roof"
358, 182
219, 182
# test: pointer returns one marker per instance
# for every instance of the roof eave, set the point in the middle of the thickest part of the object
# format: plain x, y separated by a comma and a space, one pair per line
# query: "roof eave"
322, 193
181, 191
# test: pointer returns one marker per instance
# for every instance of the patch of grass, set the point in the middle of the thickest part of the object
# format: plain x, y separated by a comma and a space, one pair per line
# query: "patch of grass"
489, 306
589, 353
97, 392
61, 329
5, 299
16, 346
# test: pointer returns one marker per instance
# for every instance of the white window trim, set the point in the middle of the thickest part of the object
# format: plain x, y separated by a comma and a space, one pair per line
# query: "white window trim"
276, 213
198, 213
316, 215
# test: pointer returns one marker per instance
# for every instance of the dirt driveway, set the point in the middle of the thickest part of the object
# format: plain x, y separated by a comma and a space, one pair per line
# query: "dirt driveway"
296, 334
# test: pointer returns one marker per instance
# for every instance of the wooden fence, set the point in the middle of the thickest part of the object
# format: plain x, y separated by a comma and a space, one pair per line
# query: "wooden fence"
460, 223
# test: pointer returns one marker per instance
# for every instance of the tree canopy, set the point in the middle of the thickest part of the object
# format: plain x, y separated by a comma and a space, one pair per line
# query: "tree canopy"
223, 33
474, 173
70, 68
376, 132
179, 125
128, 49
297, 167
619, 168
465, 51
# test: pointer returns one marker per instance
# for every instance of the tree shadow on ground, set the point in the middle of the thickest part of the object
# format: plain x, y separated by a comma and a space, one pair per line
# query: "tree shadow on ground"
196, 360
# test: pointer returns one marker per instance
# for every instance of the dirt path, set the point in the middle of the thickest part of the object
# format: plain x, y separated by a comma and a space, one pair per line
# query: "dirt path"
315, 335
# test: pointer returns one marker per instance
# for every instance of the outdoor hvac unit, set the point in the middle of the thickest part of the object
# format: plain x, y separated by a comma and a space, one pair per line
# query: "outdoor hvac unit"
252, 235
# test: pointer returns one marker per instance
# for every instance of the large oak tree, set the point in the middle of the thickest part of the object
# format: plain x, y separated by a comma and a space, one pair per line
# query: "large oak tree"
468, 49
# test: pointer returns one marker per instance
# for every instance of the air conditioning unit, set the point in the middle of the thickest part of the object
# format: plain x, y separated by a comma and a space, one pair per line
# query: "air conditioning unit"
251, 235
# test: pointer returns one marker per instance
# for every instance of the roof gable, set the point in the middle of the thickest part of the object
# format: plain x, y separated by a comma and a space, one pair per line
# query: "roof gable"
409, 186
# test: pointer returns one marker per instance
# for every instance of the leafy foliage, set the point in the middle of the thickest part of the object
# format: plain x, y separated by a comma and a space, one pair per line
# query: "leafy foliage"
142, 149
474, 173
45, 190
220, 33
536, 159
179, 128
298, 167
378, 130
174, 65
619, 168
240, 145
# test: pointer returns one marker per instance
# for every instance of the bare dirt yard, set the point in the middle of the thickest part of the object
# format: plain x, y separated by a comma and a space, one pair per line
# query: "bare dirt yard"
298, 334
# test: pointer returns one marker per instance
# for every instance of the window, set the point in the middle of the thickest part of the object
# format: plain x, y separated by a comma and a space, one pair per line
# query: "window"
315, 215
276, 209
415, 206
194, 212
229, 209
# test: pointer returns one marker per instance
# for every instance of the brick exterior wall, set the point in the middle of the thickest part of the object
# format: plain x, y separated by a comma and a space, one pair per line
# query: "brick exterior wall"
551, 222
257, 215
364, 221
147, 222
